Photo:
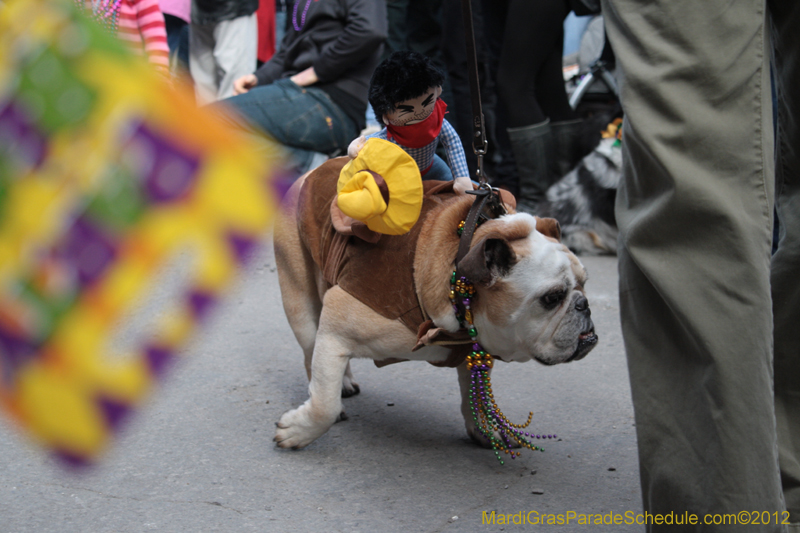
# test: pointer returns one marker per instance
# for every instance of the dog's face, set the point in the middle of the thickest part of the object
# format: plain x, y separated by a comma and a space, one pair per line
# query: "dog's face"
530, 300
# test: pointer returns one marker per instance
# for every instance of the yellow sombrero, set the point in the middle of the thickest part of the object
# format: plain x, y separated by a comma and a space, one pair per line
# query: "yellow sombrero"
359, 194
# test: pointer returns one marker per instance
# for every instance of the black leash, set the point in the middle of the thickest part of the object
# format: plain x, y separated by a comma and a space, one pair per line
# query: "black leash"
479, 143
485, 196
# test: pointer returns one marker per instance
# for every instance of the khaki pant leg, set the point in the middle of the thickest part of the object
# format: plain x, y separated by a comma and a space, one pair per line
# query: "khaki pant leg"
786, 262
695, 218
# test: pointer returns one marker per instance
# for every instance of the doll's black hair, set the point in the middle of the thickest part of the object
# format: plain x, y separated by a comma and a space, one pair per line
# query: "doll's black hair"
401, 76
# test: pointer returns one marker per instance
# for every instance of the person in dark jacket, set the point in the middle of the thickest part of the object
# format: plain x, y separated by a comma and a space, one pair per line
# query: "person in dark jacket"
223, 42
312, 95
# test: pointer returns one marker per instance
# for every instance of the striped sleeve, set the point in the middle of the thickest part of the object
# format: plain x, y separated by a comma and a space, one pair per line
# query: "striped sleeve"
141, 24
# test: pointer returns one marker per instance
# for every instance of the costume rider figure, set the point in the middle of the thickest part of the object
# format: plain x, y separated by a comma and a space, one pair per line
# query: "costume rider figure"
404, 93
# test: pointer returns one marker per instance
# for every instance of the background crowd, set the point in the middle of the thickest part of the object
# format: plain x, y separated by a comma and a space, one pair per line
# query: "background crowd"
229, 47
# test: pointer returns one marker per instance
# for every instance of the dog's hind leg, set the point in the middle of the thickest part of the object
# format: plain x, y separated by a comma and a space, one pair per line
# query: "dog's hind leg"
298, 277
349, 387
302, 285
301, 426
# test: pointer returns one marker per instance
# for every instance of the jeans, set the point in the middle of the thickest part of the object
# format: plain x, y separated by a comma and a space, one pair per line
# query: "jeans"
177, 40
303, 119
439, 171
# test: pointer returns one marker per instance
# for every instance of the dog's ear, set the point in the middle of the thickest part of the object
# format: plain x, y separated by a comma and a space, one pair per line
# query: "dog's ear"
487, 260
549, 227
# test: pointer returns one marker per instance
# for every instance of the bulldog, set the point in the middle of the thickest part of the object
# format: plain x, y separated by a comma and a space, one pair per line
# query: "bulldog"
390, 301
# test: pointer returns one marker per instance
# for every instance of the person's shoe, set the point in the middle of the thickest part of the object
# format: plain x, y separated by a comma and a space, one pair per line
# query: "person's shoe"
533, 150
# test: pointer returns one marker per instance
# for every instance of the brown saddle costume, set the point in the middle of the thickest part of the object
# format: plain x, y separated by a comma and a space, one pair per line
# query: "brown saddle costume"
380, 274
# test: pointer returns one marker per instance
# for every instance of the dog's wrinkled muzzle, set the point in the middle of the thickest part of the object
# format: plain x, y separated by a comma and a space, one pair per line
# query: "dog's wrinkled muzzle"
586, 342
588, 338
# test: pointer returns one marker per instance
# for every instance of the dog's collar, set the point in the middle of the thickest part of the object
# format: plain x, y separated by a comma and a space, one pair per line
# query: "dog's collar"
487, 205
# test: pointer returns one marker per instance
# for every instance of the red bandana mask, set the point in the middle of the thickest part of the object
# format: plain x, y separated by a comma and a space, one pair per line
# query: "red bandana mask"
422, 133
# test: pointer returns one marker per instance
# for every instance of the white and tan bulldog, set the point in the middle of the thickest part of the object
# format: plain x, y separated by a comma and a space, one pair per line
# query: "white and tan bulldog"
529, 301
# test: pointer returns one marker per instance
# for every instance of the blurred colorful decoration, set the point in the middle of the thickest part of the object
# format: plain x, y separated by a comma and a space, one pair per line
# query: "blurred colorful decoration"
613, 131
106, 174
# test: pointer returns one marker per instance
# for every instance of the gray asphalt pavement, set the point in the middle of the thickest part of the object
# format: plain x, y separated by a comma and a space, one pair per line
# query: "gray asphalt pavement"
200, 456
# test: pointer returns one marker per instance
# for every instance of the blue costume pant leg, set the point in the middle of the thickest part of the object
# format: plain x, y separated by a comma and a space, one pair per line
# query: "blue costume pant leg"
438, 171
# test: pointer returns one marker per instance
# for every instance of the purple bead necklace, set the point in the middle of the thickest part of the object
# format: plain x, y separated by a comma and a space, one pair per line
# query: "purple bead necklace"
488, 418
299, 27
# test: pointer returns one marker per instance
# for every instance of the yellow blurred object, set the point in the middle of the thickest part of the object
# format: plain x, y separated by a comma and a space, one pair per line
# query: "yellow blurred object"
613, 130
107, 174
76, 427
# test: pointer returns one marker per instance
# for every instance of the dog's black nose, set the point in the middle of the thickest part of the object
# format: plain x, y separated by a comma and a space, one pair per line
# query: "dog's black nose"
582, 305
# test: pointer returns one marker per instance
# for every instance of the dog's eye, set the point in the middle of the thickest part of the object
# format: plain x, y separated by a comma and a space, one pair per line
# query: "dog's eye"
552, 299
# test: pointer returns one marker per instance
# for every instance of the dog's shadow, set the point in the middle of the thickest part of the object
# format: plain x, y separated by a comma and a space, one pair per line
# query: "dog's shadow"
406, 410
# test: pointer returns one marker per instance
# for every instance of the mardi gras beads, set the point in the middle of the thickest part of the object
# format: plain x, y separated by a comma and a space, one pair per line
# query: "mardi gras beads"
488, 418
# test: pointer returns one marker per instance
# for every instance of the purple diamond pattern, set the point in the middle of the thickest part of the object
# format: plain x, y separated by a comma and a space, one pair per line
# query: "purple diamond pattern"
243, 247
200, 302
167, 172
113, 411
71, 459
14, 353
281, 183
88, 249
19, 133
159, 359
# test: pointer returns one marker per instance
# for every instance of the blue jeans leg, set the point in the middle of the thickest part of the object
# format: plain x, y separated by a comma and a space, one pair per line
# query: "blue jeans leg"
297, 117
177, 39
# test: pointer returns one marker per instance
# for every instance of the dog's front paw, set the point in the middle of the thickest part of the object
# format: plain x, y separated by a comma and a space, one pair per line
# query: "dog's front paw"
478, 438
481, 440
297, 430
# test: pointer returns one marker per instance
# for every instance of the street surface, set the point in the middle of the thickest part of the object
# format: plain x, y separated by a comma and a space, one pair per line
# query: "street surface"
200, 456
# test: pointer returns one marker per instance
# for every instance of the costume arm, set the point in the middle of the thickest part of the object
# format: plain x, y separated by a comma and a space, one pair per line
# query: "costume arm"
359, 143
378, 135
365, 30
455, 151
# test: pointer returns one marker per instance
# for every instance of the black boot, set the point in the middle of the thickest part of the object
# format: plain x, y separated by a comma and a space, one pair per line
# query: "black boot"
533, 150
567, 146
